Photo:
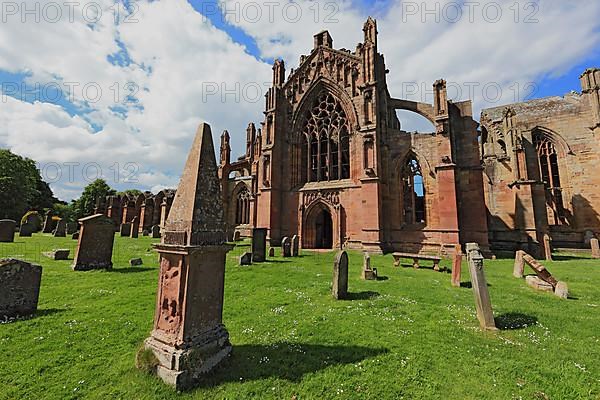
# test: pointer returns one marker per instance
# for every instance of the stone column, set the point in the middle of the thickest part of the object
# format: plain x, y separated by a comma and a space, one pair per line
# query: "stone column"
483, 303
189, 339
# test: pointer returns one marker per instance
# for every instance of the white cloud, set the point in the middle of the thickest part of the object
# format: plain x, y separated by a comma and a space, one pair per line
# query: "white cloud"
183, 66
176, 56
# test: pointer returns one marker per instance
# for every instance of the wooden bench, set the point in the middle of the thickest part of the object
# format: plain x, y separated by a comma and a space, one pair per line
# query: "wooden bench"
416, 257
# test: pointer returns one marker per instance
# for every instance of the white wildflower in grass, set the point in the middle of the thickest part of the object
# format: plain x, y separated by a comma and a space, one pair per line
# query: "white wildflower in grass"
278, 310
581, 367
263, 360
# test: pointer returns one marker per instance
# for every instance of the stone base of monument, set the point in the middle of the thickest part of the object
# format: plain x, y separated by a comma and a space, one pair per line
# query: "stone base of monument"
185, 367
369, 274
91, 266
535, 282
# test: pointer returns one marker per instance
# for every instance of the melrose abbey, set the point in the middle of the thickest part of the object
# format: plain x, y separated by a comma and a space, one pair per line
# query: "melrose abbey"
332, 164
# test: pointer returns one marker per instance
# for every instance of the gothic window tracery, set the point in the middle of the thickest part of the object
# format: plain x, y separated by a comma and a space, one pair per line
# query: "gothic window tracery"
325, 142
242, 214
413, 192
550, 175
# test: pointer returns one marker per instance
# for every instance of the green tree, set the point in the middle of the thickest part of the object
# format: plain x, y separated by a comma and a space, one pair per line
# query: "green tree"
84, 206
130, 192
19, 179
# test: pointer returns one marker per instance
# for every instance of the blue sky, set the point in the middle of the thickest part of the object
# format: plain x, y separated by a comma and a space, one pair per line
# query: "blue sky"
172, 52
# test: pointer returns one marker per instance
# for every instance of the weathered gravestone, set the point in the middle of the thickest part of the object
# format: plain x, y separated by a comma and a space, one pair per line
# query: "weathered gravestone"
60, 254
595, 245
519, 266
134, 262
339, 288
587, 236
286, 247
33, 218
95, 246
26, 230
271, 251
547, 247
156, 232
135, 228
483, 304
48, 223
189, 338
544, 279
75, 236
237, 236
456, 266
125, 230
259, 244
295, 246
7, 230
145, 232
368, 273
19, 288
61, 229
245, 259
71, 228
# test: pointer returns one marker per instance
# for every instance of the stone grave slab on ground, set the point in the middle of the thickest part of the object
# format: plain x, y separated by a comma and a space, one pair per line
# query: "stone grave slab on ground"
134, 262
543, 280
59, 254
20, 288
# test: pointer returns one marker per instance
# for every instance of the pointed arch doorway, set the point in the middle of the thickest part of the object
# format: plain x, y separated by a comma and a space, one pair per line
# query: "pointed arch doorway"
318, 228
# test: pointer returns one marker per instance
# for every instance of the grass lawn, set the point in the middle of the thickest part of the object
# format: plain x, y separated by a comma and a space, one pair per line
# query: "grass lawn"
409, 335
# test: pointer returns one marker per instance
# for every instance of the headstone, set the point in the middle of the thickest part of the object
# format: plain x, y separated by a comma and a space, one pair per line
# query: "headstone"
7, 230
48, 223
75, 236
259, 244
237, 236
20, 283
245, 259
547, 247
156, 232
595, 245
271, 252
125, 230
134, 262
540, 270
71, 228
561, 290
483, 304
286, 247
60, 254
145, 232
135, 228
188, 337
33, 218
588, 235
295, 246
456, 266
95, 245
61, 229
26, 230
519, 266
368, 273
339, 289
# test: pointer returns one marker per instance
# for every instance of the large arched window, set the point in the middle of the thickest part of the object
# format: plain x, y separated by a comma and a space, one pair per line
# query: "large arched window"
325, 142
413, 192
550, 175
242, 211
